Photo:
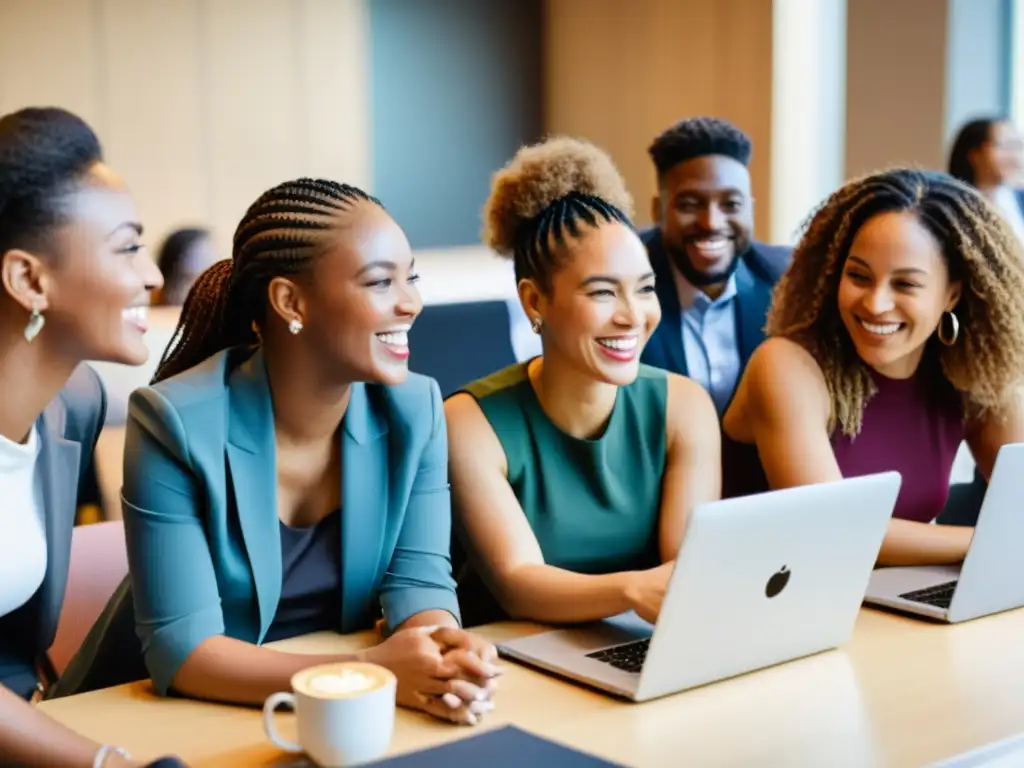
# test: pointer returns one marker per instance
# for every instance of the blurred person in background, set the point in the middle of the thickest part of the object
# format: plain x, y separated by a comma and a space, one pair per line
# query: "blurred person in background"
183, 256
988, 154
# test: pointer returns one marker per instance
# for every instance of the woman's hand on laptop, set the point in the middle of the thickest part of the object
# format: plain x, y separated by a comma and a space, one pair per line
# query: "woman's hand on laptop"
645, 590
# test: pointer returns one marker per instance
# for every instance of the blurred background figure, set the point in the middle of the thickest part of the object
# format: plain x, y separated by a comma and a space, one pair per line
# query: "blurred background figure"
988, 153
184, 255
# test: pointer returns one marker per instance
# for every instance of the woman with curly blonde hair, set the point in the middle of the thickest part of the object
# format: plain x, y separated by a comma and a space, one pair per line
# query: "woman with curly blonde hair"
572, 473
897, 332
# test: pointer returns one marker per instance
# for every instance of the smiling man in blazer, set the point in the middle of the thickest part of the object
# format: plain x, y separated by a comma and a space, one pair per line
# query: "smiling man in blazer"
714, 281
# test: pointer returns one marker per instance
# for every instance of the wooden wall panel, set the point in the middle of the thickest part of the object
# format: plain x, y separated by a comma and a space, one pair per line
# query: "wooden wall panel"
619, 73
200, 104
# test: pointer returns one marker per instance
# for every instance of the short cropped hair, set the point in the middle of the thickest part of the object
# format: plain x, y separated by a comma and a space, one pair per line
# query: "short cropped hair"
699, 137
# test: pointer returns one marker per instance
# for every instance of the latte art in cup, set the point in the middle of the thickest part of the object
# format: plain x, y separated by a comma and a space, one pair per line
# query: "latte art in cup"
348, 681
345, 713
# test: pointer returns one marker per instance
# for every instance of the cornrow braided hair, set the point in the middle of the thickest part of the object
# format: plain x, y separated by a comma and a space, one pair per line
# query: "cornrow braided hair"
281, 234
986, 363
538, 240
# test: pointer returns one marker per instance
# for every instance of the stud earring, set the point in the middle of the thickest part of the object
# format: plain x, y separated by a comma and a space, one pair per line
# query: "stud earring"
295, 326
536, 325
36, 321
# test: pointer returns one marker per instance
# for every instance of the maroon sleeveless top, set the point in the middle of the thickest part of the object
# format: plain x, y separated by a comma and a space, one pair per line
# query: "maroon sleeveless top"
914, 428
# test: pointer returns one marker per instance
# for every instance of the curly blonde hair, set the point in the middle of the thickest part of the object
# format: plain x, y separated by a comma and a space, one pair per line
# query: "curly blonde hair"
545, 192
986, 363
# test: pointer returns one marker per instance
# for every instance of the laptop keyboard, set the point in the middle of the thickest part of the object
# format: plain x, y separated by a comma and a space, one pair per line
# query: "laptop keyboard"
940, 595
628, 656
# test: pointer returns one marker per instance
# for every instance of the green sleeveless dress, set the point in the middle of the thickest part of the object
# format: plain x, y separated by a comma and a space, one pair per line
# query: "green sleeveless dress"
594, 505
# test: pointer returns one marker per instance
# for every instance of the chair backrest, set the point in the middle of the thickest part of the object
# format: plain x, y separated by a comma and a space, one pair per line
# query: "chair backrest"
99, 562
458, 343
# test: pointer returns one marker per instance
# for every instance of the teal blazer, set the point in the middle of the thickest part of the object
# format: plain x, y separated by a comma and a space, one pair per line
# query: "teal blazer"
200, 511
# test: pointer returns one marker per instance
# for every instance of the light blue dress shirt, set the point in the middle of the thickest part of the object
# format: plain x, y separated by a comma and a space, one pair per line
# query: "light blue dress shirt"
710, 340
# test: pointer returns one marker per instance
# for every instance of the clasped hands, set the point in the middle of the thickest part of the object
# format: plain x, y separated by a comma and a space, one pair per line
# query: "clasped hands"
444, 671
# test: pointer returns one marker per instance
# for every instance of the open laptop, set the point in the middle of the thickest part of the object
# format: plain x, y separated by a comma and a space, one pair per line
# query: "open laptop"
991, 578
759, 580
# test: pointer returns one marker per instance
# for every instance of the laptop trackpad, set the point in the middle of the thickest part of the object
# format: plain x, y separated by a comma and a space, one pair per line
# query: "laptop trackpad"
893, 582
588, 637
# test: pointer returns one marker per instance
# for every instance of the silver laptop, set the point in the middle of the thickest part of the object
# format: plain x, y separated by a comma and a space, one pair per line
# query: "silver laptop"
991, 578
759, 580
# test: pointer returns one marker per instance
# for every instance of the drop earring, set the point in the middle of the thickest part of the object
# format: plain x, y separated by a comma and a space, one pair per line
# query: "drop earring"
294, 326
36, 321
536, 325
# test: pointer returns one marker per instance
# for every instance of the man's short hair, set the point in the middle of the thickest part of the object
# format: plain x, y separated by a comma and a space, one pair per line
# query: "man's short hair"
699, 137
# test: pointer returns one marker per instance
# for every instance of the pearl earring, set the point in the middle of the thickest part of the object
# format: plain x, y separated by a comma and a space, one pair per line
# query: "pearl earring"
295, 326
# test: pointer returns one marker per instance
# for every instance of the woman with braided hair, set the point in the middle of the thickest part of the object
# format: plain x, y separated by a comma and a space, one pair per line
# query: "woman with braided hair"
286, 474
573, 473
895, 334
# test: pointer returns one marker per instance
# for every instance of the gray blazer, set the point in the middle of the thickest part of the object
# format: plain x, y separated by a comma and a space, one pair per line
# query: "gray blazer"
68, 430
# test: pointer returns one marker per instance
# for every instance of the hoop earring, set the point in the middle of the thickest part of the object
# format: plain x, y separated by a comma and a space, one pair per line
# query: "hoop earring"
36, 321
536, 324
954, 324
294, 326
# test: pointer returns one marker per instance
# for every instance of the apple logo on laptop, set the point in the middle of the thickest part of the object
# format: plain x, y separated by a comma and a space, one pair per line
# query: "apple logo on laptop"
777, 582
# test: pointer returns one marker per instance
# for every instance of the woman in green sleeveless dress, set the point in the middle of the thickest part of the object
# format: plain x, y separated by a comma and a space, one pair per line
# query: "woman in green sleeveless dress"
572, 474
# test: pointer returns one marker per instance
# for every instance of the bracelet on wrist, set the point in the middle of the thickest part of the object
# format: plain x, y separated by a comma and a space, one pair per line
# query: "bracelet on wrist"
106, 751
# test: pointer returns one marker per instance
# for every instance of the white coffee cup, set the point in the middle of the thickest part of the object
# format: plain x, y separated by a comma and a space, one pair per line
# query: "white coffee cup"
345, 713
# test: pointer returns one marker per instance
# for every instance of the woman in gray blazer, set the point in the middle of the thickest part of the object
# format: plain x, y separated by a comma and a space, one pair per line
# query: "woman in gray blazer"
75, 282
286, 474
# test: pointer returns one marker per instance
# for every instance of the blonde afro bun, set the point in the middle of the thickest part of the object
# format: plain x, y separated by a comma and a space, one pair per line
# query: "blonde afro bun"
539, 175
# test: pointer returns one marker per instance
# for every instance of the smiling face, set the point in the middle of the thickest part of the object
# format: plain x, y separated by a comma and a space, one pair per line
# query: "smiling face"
705, 214
894, 288
601, 307
95, 275
360, 299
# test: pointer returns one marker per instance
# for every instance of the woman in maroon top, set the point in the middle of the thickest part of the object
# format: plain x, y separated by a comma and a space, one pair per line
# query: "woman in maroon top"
897, 332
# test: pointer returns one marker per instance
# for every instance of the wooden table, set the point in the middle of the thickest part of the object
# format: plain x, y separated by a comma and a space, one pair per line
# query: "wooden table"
903, 692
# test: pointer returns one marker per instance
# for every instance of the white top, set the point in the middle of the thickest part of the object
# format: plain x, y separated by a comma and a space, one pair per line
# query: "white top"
22, 526
1006, 202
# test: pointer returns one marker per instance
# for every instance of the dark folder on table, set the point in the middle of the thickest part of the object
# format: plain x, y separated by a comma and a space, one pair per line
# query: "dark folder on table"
507, 747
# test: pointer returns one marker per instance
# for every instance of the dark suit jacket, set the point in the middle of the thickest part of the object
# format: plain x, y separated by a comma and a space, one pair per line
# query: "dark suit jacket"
201, 525
756, 276
68, 430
